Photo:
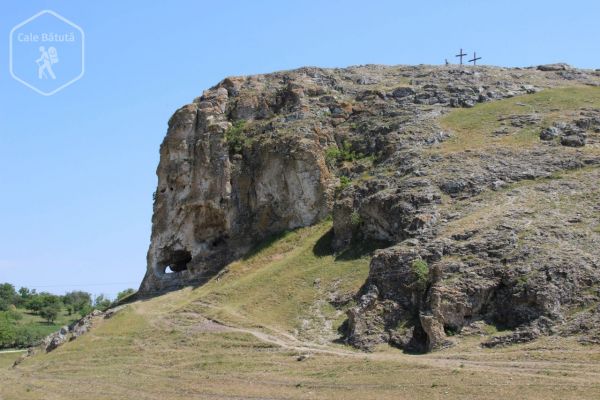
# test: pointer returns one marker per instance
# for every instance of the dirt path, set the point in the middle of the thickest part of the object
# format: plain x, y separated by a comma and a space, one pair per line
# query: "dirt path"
282, 338
453, 360
574, 371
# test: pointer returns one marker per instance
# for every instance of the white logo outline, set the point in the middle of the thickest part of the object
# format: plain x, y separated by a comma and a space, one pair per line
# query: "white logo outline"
10, 52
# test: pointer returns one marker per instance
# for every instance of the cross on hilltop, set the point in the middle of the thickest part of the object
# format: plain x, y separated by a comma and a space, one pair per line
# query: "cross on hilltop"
475, 58
461, 54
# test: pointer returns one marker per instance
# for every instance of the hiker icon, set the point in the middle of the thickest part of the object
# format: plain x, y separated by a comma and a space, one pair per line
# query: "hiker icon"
45, 62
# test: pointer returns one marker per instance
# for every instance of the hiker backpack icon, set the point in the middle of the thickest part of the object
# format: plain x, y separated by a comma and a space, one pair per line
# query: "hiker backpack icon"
53, 55
45, 62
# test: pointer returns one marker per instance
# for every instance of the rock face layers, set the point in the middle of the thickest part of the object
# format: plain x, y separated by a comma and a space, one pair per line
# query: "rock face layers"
214, 201
485, 216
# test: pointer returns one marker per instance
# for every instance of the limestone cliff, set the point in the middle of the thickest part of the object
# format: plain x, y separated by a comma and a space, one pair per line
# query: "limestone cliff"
480, 182
215, 200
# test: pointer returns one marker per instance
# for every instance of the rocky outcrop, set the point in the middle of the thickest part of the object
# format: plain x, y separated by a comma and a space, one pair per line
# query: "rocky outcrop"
503, 234
68, 333
567, 134
76, 329
223, 187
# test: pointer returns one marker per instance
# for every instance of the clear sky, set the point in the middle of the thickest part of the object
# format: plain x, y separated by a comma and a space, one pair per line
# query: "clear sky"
77, 169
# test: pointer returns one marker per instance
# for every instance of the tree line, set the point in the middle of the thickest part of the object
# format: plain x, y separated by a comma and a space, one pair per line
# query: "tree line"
15, 304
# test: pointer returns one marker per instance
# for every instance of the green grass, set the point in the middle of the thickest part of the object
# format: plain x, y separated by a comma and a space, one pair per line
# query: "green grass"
473, 128
161, 348
305, 271
344, 183
8, 359
32, 327
62, 319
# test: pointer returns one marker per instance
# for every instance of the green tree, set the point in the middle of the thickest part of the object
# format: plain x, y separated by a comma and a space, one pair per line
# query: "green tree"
8, 296
24, 295
86, 310
50, 312
8, 333
35, 303
76, 301
125, 293
44, 300
101, 303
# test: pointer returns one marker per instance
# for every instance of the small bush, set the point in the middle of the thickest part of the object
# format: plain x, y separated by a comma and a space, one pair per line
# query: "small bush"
13, 313
235, 137
347, 154
421, 271
344, 183
335, 155
332, 155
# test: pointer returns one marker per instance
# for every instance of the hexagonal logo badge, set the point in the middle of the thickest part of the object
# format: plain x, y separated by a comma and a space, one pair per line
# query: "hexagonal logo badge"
46, 52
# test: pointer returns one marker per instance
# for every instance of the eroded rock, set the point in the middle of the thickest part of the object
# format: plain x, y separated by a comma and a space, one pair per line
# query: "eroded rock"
470, 234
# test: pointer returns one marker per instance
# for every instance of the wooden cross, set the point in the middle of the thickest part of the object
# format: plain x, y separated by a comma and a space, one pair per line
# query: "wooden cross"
461, 55
475, 58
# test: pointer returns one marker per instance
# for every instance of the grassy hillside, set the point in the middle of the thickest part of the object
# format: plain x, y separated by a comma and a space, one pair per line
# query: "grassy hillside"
488, 125
288, 285
166, 348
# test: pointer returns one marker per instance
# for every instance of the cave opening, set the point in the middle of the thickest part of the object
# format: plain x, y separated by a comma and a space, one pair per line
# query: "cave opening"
177, 262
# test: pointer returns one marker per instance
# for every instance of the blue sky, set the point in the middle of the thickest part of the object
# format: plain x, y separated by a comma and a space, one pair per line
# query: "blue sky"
77, 169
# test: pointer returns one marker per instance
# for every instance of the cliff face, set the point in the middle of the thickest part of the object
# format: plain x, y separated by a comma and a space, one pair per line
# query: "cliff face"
218, 195
486, 203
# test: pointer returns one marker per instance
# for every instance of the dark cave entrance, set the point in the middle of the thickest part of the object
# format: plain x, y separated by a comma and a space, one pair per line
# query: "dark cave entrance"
177, 262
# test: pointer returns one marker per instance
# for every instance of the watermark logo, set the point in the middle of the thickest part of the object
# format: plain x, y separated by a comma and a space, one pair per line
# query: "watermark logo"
46, 52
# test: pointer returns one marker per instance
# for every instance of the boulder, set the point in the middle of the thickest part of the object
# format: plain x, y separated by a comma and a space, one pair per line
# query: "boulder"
554, 67
573, 140
550, 133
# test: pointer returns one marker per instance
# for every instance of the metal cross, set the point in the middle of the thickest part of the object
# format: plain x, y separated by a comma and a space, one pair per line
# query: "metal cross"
475, 58
461, 55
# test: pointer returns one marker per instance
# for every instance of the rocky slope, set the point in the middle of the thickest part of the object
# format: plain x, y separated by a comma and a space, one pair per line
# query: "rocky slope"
479, 185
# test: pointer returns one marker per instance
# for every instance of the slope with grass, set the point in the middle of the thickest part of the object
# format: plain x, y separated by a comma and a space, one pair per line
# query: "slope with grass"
166, 347
294, 285
496, 124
